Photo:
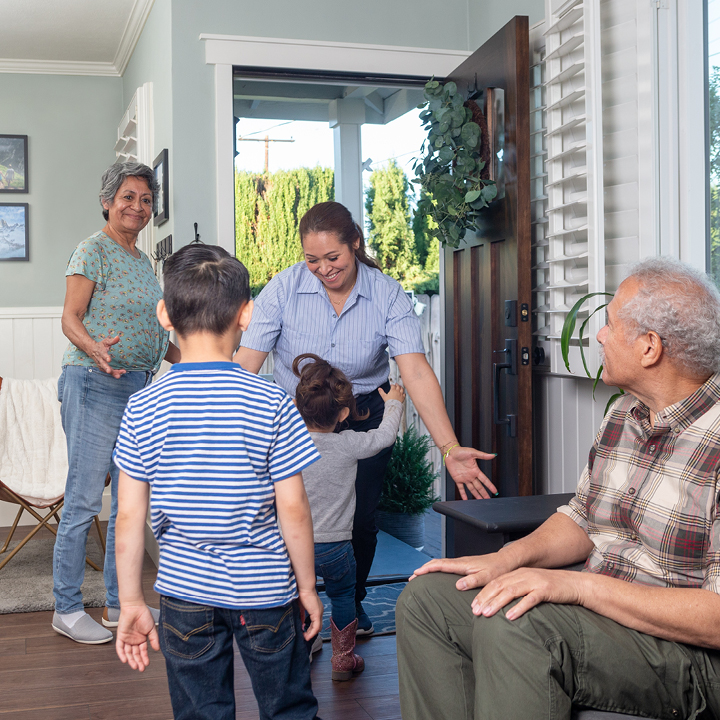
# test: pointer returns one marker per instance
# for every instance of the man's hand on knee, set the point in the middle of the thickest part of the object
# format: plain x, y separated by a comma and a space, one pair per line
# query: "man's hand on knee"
478, 570
533, 586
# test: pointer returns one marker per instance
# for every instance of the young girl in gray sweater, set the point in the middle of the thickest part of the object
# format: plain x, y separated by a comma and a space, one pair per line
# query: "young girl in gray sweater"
325, 400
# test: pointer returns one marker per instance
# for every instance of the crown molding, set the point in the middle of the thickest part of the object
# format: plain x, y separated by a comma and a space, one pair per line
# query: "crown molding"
133, 29
135, 24
58, 67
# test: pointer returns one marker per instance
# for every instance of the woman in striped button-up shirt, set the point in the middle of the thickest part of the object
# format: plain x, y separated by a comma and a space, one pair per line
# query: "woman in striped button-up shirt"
339, 305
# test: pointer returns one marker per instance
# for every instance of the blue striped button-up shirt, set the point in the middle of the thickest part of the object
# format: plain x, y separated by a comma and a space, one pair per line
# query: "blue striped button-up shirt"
293, 315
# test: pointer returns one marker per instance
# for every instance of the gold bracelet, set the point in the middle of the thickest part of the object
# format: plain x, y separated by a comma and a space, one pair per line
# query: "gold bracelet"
441, 448
447, 452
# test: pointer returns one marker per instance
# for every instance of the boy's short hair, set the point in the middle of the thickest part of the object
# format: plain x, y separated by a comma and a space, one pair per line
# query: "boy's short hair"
205, 287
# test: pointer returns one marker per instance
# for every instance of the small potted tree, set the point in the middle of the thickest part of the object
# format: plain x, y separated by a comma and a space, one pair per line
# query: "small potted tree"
407, 490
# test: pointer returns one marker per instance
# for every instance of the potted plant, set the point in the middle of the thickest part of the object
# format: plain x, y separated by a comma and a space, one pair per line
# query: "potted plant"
407, 489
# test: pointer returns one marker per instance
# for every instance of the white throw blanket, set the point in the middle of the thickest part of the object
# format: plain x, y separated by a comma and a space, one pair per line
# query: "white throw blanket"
33, 452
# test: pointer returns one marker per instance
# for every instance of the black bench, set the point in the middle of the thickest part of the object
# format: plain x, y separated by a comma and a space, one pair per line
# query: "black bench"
478, 527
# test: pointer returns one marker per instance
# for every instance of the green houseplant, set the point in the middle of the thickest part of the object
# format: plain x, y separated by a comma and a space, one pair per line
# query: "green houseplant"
568, 329
456, 190
407, 489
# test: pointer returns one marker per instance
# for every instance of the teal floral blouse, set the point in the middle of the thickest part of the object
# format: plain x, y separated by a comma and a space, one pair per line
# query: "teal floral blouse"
123, 303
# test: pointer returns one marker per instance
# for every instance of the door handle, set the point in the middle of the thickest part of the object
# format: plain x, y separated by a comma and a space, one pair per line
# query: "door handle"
510, 367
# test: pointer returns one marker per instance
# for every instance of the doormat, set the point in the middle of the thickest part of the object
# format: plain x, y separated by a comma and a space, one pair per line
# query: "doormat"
26, 582
379, 605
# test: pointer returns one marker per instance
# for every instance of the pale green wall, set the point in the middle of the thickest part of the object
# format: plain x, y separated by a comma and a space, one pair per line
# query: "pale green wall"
71, 122
152, 62
453, 24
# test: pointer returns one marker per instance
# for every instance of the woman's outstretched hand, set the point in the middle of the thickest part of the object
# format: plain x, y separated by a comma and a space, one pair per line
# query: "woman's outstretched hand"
461, 463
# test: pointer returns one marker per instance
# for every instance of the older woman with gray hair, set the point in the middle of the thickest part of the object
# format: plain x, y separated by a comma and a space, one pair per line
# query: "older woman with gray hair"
116, 346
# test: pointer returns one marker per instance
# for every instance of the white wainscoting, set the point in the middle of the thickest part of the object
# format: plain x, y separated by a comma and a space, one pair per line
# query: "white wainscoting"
566, 420
31, 342
31, 348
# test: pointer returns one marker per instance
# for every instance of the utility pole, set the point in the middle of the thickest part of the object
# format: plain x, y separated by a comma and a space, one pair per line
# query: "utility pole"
267, 140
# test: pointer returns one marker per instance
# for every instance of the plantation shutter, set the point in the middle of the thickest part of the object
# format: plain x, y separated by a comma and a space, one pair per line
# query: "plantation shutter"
135, 144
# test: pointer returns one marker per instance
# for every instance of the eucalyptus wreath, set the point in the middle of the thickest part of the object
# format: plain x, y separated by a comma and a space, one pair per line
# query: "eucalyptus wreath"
450, 170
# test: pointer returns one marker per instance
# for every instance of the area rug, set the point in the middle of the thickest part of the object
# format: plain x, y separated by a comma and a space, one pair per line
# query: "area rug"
379, 605
26, 582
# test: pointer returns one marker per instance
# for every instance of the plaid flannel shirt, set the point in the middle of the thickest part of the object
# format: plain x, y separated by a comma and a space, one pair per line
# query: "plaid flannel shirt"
649, 496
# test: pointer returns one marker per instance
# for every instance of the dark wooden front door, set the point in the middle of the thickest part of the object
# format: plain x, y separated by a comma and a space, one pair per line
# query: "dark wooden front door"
488, 335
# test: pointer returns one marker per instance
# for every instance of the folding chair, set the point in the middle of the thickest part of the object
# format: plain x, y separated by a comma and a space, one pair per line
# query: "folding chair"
31, 505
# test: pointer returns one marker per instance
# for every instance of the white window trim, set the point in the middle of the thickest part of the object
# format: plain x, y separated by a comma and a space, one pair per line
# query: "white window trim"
224, 51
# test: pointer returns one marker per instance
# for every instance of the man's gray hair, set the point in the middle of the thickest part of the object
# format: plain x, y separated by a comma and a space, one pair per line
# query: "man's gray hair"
682, 305
116, 175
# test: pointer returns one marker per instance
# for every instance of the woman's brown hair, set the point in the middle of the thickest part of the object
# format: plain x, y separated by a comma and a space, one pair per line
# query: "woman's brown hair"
332, 217
323, 391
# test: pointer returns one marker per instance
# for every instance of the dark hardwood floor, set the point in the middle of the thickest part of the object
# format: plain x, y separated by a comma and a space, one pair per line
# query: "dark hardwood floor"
44, 676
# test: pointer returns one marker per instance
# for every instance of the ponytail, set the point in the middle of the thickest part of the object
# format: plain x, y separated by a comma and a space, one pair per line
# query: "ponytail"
322, 392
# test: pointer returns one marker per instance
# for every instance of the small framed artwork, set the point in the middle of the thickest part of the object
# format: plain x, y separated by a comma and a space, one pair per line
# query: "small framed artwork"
160, 166
14, 231
13, 163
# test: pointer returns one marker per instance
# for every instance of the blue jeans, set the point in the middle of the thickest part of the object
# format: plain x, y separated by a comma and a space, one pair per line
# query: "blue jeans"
335, 562
197, 642
92, 406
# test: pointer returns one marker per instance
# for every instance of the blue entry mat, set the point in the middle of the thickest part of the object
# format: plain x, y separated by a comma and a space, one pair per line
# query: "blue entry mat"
395, 561
379, 605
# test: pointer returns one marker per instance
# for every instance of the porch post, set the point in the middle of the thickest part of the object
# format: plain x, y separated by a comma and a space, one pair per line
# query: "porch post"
346, 119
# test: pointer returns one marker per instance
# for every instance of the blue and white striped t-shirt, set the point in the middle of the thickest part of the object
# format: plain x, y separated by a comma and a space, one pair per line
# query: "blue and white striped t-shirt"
212, 439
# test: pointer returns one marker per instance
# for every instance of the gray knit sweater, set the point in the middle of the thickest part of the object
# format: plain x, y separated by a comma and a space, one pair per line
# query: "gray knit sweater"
330, 482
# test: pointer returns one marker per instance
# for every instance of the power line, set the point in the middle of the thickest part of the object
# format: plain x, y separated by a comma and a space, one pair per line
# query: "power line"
257, 132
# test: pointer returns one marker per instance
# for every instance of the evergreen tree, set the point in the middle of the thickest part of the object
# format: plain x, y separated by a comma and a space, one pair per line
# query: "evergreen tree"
268, 208
388, 216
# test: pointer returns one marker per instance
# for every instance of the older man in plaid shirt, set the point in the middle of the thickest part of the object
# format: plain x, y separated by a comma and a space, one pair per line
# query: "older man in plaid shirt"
638, 631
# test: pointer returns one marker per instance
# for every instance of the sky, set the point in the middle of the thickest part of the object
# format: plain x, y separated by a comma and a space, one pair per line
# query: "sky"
313, 144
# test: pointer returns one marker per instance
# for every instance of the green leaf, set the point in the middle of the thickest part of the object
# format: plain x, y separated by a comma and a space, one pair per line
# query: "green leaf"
597, 380
432, 84
444, 127
489, 192
450, 88
472, 196
581, 336
569, 327
421, 106
446, 154
612, 400
458, 117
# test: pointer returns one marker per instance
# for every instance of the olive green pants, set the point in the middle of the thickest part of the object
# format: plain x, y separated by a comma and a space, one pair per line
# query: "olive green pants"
454, 665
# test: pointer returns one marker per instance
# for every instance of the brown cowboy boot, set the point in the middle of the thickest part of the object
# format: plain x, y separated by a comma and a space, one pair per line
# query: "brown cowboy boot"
344, 661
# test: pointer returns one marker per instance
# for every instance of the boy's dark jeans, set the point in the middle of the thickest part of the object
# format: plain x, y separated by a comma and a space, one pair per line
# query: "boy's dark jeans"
197, 642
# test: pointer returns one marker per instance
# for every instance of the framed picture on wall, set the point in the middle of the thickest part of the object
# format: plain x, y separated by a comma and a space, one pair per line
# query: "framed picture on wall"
13, 163
160, 166
14, 237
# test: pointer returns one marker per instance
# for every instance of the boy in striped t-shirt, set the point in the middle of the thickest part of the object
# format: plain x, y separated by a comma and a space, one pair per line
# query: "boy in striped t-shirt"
223, 452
